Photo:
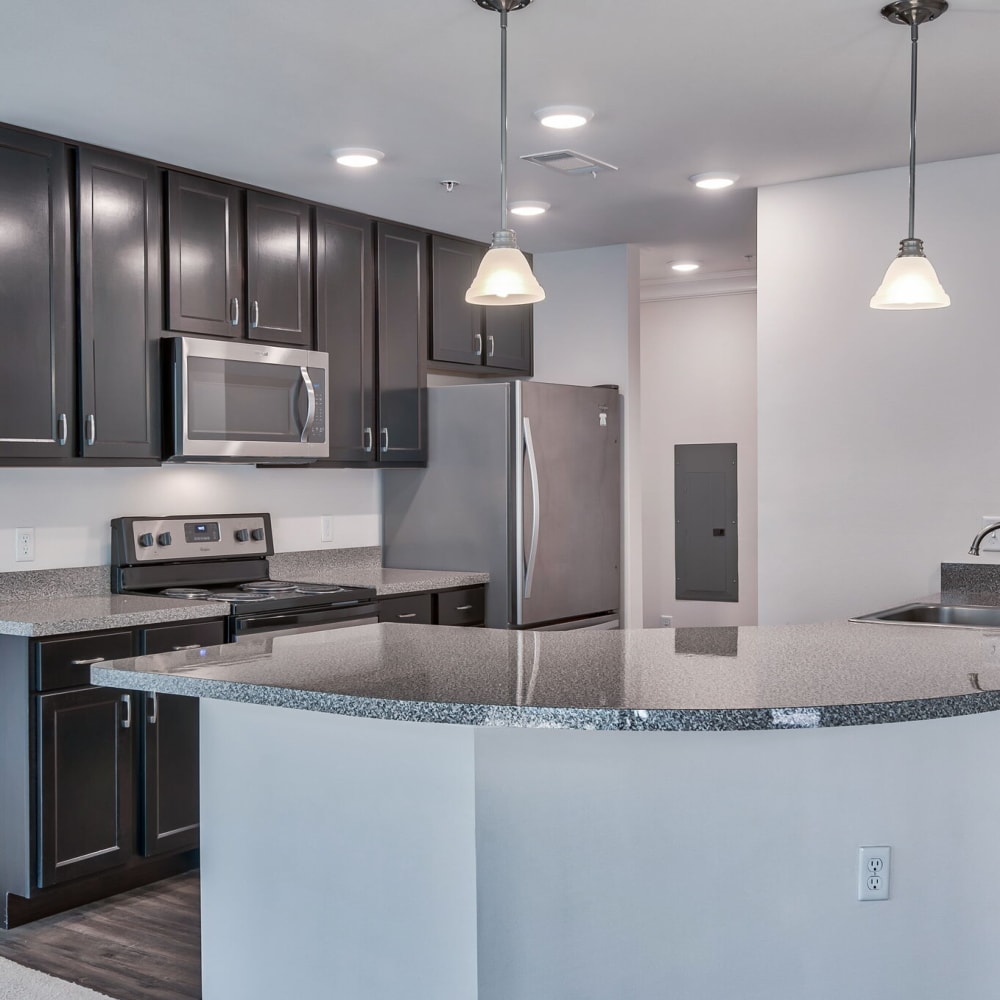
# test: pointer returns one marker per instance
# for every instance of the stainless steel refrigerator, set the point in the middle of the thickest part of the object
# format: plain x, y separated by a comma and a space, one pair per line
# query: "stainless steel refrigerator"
523, 481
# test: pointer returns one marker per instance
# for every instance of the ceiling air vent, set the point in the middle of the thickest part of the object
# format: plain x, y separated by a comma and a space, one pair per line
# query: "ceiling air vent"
568, 161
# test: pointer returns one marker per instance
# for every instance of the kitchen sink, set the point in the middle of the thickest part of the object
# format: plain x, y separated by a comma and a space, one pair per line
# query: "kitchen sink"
945, 615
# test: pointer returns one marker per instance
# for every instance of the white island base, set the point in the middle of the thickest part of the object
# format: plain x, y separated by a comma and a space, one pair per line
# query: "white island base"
359, 859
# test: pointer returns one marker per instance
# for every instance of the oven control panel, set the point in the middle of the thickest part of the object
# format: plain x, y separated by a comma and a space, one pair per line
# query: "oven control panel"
171, 539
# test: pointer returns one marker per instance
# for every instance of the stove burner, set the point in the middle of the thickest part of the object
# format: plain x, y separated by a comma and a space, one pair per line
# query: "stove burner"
186, 593
318, 588
236, 595
267, 586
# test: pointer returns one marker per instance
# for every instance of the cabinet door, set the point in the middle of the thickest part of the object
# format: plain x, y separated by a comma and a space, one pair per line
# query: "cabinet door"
402, 344
168, 799
456, 326
120, 306
508, 332
36, 299
85, 803
345, 307
205, 256
279, 270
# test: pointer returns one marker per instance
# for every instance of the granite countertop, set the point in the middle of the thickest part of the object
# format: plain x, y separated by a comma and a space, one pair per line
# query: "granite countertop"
770, 677
40, 616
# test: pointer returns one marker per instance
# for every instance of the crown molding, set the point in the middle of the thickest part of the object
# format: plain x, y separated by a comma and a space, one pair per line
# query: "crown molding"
699, 285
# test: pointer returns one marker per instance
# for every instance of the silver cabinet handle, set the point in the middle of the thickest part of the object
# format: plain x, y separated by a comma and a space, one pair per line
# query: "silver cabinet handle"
255, 313
478, 342
385, 439
127, 721
155, 713
409, 614
311, 408
62, 429
87, 663
234, 311
91, 428
193, 645
464, 607
529, 448
491, 346
369, 440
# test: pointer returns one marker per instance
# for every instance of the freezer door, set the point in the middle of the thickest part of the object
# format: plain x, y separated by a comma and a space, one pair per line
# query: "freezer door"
567, 501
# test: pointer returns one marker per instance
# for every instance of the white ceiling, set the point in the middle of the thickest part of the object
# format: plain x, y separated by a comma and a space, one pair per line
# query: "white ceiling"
260, 90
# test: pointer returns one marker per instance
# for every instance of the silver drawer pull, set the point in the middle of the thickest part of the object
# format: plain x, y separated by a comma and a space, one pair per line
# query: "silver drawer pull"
492, 346
91, 429
127, 721
411, 614
234, 311
62, 426
194, 645
155, 713
464, 607
255, 314
477, 339
385, 439
87, 663
369, 442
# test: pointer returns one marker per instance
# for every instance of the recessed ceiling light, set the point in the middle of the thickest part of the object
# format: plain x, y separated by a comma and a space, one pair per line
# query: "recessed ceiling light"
715, 180
529, 207
357, 156
685, 265
564, 116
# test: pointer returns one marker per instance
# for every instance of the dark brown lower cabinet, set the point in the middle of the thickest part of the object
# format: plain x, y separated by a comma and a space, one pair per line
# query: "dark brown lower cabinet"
85, 805
445, 607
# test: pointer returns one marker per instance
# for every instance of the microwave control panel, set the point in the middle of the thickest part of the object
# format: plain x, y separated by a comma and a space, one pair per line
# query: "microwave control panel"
171, 539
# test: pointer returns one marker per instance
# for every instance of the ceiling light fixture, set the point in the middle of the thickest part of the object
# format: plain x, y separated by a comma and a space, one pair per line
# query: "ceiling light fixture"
357, 156
564, 116
910, 281
528, 208
684, 266
715, 180
504, 277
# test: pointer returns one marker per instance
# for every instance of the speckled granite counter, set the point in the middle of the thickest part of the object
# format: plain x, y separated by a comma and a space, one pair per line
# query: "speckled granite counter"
782, 677
58, 615
362, 568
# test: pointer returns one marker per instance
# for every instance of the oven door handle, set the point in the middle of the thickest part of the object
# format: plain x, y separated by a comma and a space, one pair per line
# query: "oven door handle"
271, 622
310, 405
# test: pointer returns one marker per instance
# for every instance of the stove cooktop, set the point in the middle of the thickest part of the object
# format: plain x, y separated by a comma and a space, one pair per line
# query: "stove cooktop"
274, 594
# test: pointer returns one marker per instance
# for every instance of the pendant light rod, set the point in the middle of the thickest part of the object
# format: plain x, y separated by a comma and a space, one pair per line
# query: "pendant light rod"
914, 29
503, 117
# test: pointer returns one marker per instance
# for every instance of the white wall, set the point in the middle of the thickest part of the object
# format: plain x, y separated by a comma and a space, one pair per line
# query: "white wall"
587, 333
877, 429
698, 386
70, 508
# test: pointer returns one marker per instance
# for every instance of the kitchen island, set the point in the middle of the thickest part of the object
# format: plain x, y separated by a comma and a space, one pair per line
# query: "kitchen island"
407, 811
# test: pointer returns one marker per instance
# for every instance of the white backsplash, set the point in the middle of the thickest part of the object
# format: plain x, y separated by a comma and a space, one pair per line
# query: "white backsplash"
70, 508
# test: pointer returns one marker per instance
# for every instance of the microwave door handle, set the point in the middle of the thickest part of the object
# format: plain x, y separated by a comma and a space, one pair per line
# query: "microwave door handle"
311, 406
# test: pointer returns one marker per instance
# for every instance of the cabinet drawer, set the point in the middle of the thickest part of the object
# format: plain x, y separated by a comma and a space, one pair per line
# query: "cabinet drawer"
414, 609
461, 607
168, 638
64, 663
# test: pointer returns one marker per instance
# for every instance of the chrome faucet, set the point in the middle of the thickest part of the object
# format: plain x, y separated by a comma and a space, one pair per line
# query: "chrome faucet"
978, 540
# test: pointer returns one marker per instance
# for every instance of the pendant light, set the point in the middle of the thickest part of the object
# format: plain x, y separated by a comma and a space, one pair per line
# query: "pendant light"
910, 282
504, 277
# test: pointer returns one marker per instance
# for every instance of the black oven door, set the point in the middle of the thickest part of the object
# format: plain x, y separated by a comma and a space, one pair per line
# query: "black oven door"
292, 622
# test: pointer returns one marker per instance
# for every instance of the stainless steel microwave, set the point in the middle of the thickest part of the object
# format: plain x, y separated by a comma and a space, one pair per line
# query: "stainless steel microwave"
241, 402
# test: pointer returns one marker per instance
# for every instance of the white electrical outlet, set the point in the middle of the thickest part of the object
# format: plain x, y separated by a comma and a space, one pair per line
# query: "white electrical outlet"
24, 544
326, 529
991, 543
666, 621
873, 872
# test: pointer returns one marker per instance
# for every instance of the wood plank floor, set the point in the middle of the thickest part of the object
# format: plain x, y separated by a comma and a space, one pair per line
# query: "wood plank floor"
139, 945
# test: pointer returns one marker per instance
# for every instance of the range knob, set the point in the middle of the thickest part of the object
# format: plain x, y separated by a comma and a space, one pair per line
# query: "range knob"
164, 538
145, 540
242, 535
257, 534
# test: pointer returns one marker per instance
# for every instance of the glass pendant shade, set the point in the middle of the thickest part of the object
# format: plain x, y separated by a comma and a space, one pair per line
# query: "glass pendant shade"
910, 283
504, 279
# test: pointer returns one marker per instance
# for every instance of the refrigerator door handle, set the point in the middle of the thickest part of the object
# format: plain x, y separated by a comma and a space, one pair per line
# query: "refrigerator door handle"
529, 448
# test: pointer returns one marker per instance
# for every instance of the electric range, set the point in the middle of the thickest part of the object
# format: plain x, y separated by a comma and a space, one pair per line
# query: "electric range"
223, 558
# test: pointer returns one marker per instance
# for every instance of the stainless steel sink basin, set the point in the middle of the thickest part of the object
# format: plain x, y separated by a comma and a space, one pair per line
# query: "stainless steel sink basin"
944, 615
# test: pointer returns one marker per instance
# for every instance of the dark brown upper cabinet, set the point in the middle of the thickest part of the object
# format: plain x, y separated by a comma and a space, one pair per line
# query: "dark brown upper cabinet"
205, 256
120, 306
345, 329
37, 400
279, 269
490, 340
403, 317
240, 263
